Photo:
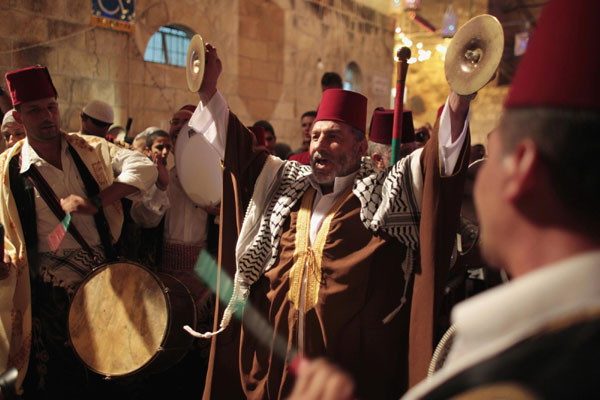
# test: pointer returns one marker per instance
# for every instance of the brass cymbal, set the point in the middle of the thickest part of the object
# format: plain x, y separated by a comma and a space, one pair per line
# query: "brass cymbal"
474, 54
194, 67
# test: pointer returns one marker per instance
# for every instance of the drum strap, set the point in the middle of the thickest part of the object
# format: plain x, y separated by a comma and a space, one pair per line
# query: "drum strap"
46, 193
92, 189
24, 195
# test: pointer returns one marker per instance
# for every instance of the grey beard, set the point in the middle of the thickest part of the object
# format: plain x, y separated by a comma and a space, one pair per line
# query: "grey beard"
344, 168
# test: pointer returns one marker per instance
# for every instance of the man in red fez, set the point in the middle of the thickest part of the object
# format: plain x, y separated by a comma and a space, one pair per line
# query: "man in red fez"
319, 251
45, 176
536, 337
380, 136
537, 201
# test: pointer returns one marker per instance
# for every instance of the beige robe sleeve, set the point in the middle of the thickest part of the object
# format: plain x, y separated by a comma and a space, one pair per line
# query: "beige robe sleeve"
15, 295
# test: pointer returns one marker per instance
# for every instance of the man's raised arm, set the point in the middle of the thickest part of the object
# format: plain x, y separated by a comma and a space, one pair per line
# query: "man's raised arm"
453, 129
232, 141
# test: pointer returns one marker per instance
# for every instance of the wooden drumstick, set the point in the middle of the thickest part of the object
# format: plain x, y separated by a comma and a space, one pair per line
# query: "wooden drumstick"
403, 57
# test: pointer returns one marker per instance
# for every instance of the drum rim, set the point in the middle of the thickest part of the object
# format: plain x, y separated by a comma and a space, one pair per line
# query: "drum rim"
95, 272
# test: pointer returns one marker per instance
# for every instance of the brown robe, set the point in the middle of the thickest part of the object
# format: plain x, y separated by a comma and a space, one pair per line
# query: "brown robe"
223, 376
362, 282
440, 212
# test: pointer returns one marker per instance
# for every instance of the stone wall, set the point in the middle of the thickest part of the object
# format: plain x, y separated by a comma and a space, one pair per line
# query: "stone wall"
88, 62
270, 50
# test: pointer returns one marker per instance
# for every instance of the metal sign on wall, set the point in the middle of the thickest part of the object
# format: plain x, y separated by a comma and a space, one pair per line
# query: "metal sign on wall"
114, 14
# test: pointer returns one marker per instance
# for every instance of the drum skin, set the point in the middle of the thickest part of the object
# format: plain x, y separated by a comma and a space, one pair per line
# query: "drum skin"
125, 319
198, 168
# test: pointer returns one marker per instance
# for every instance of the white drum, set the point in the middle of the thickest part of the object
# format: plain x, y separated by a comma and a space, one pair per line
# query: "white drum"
198, 167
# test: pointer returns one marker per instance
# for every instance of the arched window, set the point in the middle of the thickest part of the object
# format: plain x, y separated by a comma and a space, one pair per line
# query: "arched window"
352, 77
169, 45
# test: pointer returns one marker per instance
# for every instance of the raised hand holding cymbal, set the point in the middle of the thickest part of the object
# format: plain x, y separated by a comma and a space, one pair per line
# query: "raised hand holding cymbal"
474, 54
212, 70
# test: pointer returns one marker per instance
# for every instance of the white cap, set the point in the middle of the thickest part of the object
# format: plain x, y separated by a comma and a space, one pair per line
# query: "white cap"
8, 118
147, 132
99, 110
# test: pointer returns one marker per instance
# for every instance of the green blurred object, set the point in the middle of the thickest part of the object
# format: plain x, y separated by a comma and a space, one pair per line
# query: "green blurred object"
207, 269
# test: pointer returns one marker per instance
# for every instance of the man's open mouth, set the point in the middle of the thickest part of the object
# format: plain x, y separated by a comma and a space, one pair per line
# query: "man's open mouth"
321, 162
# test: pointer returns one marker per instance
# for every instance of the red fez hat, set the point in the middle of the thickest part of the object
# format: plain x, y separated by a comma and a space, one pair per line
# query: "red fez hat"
29, 84
343, 106
382, 126
547, 75
259, 133
189, 107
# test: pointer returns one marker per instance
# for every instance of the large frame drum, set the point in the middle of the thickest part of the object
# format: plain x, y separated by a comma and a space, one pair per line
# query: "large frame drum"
126, 319
198, 167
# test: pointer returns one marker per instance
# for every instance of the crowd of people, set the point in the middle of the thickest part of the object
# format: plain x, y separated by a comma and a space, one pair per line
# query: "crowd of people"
340, 256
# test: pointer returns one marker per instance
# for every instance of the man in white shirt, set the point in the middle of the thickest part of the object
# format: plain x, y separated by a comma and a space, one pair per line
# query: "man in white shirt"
537, 198
43, 177
183, 224
175, 231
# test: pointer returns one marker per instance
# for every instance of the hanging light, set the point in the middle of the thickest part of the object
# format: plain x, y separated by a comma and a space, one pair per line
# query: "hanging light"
424, 55
449, 22
521, 40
